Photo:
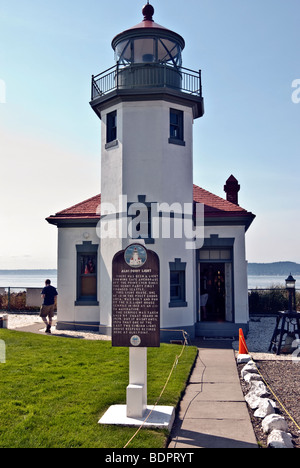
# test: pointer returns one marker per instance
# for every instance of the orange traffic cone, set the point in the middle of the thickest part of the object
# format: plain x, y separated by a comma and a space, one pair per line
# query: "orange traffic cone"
242, 343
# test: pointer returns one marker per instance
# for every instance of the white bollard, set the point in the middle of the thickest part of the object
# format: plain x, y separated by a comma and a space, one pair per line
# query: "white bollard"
137, 388
5, 321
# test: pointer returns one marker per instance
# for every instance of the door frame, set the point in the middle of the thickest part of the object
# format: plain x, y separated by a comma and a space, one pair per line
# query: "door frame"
214, 244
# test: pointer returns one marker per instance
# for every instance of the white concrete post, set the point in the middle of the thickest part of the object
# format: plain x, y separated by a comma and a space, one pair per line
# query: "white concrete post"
137, 388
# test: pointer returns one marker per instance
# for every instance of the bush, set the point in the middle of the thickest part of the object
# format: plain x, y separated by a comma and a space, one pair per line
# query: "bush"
269, 301
15, 301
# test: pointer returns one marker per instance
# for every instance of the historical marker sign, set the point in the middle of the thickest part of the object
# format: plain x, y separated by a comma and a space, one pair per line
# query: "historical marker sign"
135, 298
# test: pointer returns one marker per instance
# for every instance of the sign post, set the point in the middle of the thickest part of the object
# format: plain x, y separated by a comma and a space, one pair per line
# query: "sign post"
136, 317
136, 392
136, 325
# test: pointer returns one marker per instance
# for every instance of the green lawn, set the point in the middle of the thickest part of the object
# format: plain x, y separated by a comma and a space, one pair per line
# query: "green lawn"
53, 391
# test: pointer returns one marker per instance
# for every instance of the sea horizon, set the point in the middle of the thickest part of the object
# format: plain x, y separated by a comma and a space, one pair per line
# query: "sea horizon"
23, 278
269, 281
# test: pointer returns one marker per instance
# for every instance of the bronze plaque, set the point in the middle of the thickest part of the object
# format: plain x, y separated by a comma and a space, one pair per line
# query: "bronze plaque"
135, 298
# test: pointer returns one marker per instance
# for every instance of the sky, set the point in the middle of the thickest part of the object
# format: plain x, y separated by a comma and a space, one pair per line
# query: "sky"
248, 51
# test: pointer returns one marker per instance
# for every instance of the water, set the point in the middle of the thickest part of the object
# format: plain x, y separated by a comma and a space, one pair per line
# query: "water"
29, 279
265, 282
36, 279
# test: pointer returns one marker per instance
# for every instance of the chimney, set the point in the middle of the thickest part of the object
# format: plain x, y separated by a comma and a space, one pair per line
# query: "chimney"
232, 189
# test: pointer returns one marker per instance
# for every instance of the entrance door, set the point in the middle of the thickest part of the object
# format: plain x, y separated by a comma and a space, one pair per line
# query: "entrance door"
212, 292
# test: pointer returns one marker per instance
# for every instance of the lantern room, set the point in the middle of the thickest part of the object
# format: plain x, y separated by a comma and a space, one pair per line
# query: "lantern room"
148, 61
148, 42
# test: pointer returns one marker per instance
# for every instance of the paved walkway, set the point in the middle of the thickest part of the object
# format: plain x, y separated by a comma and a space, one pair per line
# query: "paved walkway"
213, 412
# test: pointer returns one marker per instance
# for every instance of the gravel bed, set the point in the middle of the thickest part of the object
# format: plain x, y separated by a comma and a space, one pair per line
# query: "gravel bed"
281, 373
16, 321
21, 320
258, 340
283, 378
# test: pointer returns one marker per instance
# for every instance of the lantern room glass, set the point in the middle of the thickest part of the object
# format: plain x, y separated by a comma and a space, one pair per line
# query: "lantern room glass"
149, 50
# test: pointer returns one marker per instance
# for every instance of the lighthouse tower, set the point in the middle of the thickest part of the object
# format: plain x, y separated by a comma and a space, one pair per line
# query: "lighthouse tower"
147, 103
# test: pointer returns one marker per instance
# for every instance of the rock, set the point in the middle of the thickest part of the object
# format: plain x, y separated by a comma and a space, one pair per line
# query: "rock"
250, 367
266, 406
243, 358
258, 388
279, 439
249, 377
274, 422
257, 391
252, 400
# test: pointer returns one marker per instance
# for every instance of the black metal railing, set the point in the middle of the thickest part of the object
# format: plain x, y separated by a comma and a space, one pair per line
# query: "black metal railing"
146, 76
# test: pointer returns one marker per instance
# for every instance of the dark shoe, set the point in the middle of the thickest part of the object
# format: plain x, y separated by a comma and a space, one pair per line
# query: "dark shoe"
48, 329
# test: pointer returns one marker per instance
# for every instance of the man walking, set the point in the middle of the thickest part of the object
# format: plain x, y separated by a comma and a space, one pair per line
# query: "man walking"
49, 295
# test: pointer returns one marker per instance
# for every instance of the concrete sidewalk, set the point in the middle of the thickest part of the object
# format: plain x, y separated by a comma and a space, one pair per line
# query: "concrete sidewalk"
213, 412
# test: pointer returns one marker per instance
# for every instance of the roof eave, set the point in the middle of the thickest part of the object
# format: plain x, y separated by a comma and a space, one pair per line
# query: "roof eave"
230, 219
73, 221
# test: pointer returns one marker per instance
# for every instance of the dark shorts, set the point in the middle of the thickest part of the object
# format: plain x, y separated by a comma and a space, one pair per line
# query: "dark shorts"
47, 311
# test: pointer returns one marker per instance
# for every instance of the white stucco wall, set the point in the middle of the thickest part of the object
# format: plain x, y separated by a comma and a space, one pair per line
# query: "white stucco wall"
168, 251
68, 238
143, 162
33, 297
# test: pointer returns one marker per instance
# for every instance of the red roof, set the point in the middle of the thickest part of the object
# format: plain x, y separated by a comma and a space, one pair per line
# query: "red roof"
147, 23
214, 207
88, 209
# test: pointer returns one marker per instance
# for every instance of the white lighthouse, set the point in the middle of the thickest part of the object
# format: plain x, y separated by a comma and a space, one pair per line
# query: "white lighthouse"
147, 103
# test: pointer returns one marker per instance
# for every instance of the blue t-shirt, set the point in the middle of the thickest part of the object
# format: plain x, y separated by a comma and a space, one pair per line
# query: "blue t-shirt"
50, 293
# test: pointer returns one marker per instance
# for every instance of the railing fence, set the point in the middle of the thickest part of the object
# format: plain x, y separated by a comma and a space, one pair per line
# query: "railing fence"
148, 75
18, 299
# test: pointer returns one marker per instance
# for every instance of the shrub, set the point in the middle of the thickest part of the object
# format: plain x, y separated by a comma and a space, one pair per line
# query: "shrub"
268, 301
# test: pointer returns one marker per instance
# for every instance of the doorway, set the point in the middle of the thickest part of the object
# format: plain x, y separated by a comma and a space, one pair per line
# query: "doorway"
212, 292
215, 282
